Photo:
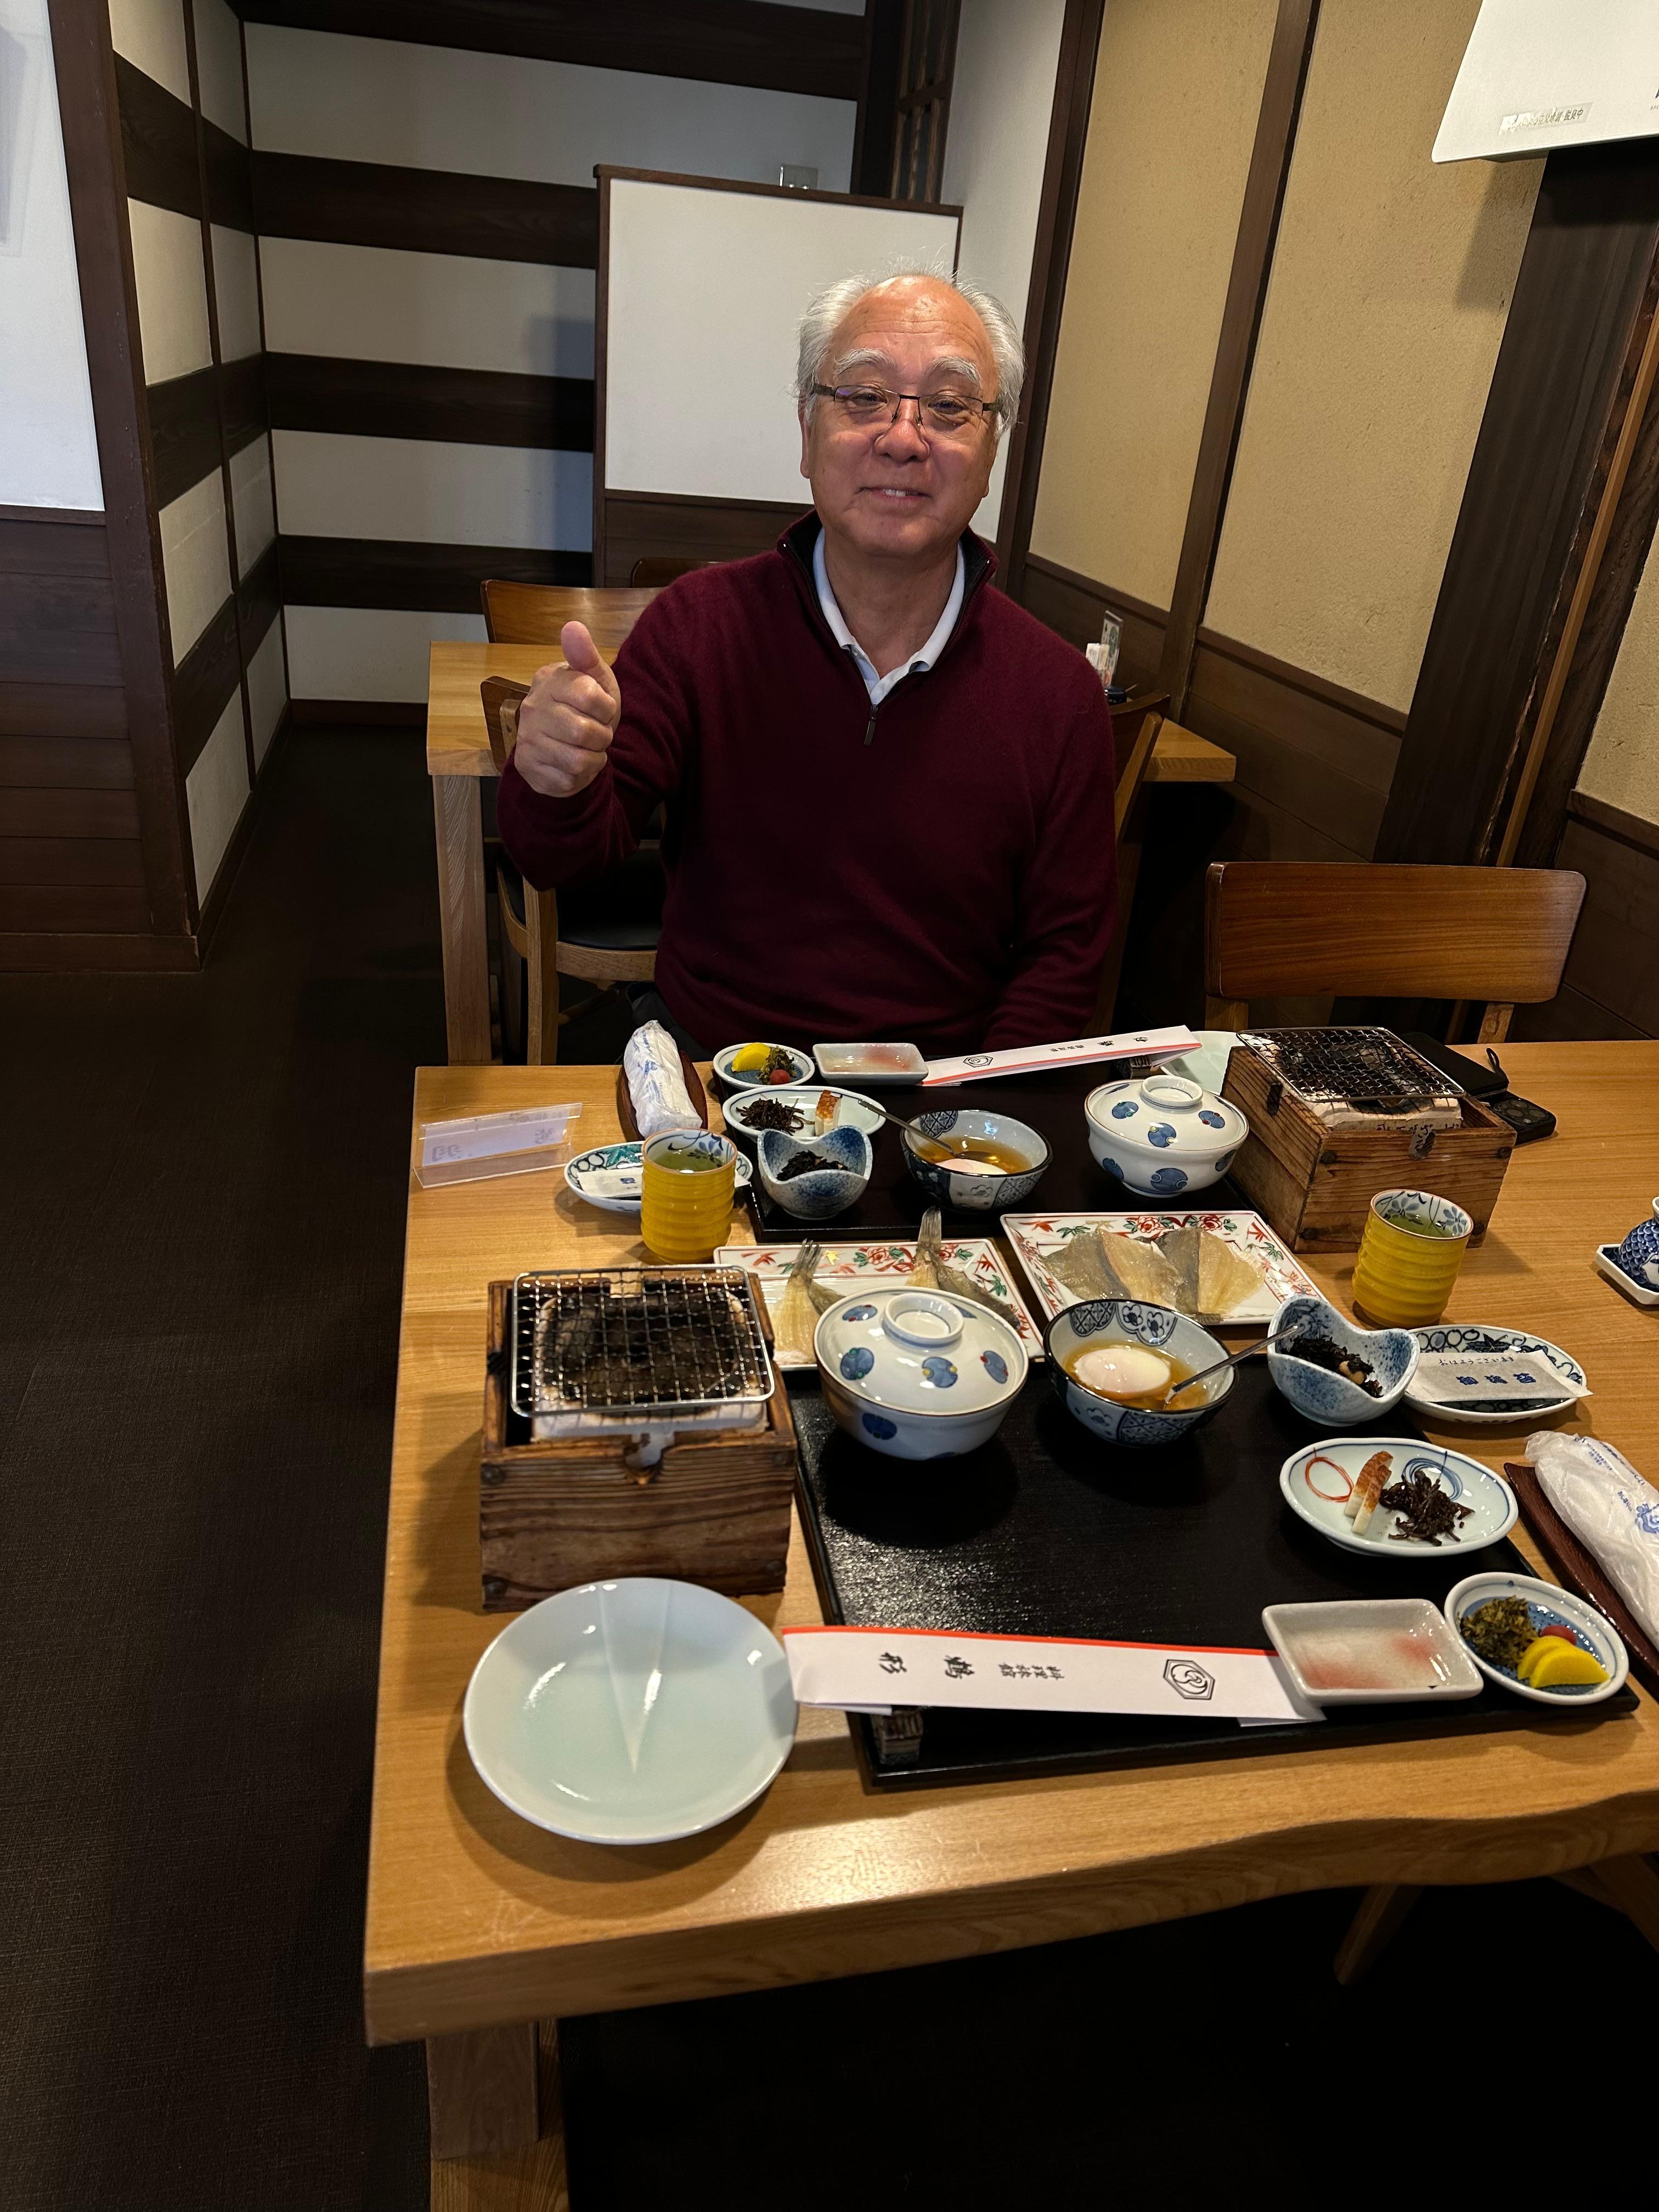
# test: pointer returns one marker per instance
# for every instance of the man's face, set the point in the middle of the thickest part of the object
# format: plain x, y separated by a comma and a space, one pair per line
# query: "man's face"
902, 491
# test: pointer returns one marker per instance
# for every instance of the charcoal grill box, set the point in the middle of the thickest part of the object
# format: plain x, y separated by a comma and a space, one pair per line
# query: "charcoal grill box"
1315, 1185
715, 1508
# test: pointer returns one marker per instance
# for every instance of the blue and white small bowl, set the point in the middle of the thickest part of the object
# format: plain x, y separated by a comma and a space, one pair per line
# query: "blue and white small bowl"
822, 1191
965, 1188
801, 1069
1548, 1606
1331, 1399
917, 1374
1118, 1321
1164, 1135
1638, 1252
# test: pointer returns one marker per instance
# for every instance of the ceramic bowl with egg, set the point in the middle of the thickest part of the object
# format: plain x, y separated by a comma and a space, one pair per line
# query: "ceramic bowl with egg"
1163, 1133
917, 1374
1012, 1156
1319, 1393
1111, 1359
820, 1192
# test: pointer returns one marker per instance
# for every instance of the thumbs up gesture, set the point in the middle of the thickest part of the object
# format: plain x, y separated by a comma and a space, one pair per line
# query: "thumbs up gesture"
567, 722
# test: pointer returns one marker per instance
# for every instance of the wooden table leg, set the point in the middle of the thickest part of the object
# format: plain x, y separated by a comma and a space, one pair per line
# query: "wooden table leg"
531, 2178
459, 819
1630, 1886
482, 2090
1372, 1928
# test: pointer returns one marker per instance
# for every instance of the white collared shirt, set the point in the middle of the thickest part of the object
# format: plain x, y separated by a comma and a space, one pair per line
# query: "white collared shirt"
923, 658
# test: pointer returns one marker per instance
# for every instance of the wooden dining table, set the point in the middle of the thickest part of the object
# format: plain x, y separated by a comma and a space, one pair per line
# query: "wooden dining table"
480, 1926
459, 763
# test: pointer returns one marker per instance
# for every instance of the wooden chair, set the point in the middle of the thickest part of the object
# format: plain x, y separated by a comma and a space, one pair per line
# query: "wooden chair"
609, 930
1385, 930
1132, 769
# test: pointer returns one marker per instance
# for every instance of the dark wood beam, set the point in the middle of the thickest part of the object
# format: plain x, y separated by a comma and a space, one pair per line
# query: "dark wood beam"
411, 399
1051, 254
85, 65
748, 42
425, 210
1529, 553
1240, 323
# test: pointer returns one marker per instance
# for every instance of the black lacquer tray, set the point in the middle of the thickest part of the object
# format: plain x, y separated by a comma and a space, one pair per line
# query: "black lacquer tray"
1048, 1531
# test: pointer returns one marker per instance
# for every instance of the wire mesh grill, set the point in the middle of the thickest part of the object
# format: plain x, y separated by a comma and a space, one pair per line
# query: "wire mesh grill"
1364, 1067
618, 1341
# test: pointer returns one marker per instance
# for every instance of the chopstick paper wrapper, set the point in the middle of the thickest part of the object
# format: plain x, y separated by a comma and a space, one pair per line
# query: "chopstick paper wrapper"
1038, 1059
873, 1670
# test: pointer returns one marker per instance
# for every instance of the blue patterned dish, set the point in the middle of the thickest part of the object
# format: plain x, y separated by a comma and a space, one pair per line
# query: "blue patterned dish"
822, 1191
608, 1176
1548, 1606
1476, 1339
967, 1188
1329, 1399
917, 1374
1164, 1134
1119, 1321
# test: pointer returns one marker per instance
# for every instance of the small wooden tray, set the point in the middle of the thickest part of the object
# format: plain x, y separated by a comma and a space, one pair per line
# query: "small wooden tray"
694, 1091
1579, 1571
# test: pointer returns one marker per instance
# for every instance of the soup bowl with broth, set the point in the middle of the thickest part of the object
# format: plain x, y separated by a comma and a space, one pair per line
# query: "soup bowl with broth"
1119, 1365
973, 1160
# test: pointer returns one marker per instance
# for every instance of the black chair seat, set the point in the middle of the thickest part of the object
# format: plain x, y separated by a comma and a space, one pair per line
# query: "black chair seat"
618, 912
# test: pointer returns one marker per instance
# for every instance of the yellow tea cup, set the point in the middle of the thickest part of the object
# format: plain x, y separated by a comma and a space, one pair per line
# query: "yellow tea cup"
1409, 1256
687, 1179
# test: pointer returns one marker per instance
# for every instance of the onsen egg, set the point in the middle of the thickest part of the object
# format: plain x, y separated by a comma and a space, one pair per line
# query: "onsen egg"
1121, 1371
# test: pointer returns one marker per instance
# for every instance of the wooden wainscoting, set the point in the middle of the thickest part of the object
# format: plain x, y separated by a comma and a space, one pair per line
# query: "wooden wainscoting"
637, 524
1611, 986
1073, 605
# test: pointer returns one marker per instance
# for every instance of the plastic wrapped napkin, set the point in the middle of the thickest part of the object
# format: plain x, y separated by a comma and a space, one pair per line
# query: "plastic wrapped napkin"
651, 1060
1610, 1508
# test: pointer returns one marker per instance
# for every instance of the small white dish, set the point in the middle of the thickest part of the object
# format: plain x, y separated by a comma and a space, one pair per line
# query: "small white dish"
872, 1065
608, 1177
1314, 1494
1607, 1261
631, 1712
852, 1112
1592, 1631
1371, 1651
1476, 1337
801, 1066
918, 1374
1163, 1134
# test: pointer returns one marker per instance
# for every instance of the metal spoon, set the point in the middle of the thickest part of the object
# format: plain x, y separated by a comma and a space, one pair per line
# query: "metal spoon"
1251, 1352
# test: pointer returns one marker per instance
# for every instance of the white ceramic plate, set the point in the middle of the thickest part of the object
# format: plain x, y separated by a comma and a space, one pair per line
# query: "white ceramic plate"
802, 1062
608, 1176
631, 1712
1319, 1642
852, 1112
855, 1265
1476, 1337
1035, 1236
1546, 1603
1207, 1064
1492, 1503
842, 1060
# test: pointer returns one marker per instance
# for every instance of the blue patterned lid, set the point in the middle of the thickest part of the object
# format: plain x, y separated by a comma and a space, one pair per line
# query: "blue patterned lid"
1167, 1113
920, 1351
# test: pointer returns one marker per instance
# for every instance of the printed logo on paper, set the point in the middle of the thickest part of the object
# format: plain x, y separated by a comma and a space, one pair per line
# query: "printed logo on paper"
1188, 1679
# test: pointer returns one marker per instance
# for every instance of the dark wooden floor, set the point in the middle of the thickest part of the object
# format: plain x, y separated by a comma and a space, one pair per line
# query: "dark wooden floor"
201, 1212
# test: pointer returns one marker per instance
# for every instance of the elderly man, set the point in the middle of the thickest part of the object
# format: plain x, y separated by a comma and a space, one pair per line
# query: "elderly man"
888, 789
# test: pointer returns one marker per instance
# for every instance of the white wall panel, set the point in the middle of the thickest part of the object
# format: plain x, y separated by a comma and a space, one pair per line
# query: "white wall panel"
251, 498
219, 67
215, 792
330, 485
48, 443
236, 285
442, 310
195, 560
1002, 93
267, 690
151, 34
171, 286
366, 653
497, 115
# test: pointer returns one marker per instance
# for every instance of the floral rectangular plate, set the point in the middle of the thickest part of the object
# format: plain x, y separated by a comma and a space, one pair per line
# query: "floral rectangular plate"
1035, 1236
880, 1263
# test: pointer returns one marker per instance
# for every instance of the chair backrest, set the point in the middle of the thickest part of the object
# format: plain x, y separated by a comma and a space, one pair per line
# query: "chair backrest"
1385, 930
534, 614
1132, 769
659, 568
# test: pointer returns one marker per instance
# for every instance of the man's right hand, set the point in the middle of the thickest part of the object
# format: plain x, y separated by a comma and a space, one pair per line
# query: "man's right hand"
567, 723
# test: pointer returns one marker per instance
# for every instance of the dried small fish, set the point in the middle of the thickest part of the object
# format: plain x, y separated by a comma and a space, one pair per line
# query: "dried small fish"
924, 1269
822, 1295
956, 1280
795, 1318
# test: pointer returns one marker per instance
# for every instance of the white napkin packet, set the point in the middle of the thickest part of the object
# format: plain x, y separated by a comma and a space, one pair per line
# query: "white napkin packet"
651, 1060
1611, 1510
1459, 1378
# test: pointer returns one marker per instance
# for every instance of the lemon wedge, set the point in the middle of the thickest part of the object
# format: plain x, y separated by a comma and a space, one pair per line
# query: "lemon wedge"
1551, 1661
751, 1059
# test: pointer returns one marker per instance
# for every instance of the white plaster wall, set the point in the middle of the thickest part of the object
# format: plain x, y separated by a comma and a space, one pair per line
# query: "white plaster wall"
333, 485
267, 690
195, 560
151, 34
171, 283
215, 792
366, 653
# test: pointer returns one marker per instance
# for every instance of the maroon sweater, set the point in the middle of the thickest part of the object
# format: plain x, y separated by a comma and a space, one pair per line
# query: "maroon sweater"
941, 869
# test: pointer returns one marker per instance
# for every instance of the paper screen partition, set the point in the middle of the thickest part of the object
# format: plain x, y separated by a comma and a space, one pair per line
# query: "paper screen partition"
700, 285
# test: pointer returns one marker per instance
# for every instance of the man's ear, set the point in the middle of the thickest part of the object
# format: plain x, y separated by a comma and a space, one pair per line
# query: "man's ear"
805, 439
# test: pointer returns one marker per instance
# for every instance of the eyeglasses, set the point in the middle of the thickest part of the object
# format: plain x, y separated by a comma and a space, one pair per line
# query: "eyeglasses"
944, 414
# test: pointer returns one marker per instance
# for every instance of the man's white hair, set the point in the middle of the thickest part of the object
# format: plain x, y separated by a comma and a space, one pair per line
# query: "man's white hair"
832, 307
